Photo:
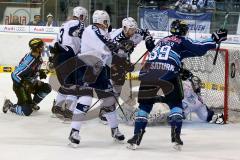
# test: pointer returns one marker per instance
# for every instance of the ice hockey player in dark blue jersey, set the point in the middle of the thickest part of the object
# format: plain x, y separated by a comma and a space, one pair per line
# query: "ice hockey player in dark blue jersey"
161, 71
25, 81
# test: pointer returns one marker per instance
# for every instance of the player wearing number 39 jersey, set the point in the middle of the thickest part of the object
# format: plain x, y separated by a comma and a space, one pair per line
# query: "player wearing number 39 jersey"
161, 71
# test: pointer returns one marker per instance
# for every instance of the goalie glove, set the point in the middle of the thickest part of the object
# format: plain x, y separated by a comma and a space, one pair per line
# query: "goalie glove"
220, 35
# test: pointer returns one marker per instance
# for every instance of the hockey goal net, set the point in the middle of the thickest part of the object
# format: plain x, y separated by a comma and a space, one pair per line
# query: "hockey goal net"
220, 82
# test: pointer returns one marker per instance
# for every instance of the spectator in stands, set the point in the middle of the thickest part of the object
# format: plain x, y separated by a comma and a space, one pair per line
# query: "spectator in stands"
193, 5
50, 22
37, 21
15, 21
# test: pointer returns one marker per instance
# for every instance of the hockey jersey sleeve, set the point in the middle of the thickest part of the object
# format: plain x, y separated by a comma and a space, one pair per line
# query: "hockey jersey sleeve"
196, 48
77, 29
23, 68
93, 39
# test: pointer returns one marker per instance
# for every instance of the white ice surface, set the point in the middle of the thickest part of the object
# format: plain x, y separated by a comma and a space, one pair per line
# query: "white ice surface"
40, 137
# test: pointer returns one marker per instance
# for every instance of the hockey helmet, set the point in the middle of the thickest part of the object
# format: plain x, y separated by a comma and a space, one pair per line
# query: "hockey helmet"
179, 28
128, 23
101, 17
35, 43
80, 11
196, 84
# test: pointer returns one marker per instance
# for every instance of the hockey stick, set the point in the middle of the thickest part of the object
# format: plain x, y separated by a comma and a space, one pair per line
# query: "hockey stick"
121, 108
218, 47
130, 76
140, 58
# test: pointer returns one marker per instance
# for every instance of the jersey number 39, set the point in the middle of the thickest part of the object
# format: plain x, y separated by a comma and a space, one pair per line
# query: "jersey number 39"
160, 53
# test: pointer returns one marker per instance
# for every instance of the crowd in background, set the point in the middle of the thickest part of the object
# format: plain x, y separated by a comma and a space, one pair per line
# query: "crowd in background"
37, 21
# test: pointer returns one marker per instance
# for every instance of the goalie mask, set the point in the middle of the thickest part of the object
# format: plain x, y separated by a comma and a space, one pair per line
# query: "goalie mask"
129, 26
80, 12
179, 28
101, 17
196, 84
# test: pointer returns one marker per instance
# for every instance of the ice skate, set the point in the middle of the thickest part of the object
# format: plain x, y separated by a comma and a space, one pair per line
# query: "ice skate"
7, 105
135, 140
35, 107
74, 138
58, 112
117, 135
217, 119
67, 116
178, 143
103, 119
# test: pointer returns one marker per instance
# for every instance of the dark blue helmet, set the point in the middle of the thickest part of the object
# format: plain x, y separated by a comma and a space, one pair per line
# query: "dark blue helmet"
179, 28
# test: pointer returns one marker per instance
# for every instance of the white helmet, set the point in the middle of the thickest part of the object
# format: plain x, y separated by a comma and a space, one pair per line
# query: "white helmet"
99, 16
129, 22
78, 11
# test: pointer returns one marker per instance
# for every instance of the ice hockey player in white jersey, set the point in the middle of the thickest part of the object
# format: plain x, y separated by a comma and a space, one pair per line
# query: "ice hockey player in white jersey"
68, 46
96, 49
193, 103
121, 63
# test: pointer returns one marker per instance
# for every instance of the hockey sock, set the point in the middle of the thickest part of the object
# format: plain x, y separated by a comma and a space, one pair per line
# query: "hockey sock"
21, 110
175, 119
112, 119
71, 102
140, 121
80, 111
39, 97
60, 99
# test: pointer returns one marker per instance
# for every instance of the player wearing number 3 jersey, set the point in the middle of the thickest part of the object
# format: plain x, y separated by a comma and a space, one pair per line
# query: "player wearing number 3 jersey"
161, 71
69, 45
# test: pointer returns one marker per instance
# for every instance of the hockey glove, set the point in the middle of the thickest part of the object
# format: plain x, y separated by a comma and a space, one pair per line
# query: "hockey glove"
145, 33
127, 46
185, 74
149, 42
42, 74
220, 35
54, 49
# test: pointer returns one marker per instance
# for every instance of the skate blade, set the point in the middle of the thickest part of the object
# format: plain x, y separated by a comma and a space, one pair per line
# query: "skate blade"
103, 122
53, 116
66, 121
132, 146
73, 145
118, 141
177, 147
59, 116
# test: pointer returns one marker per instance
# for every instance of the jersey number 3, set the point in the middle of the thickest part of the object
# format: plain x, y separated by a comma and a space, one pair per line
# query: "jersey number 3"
61, 36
